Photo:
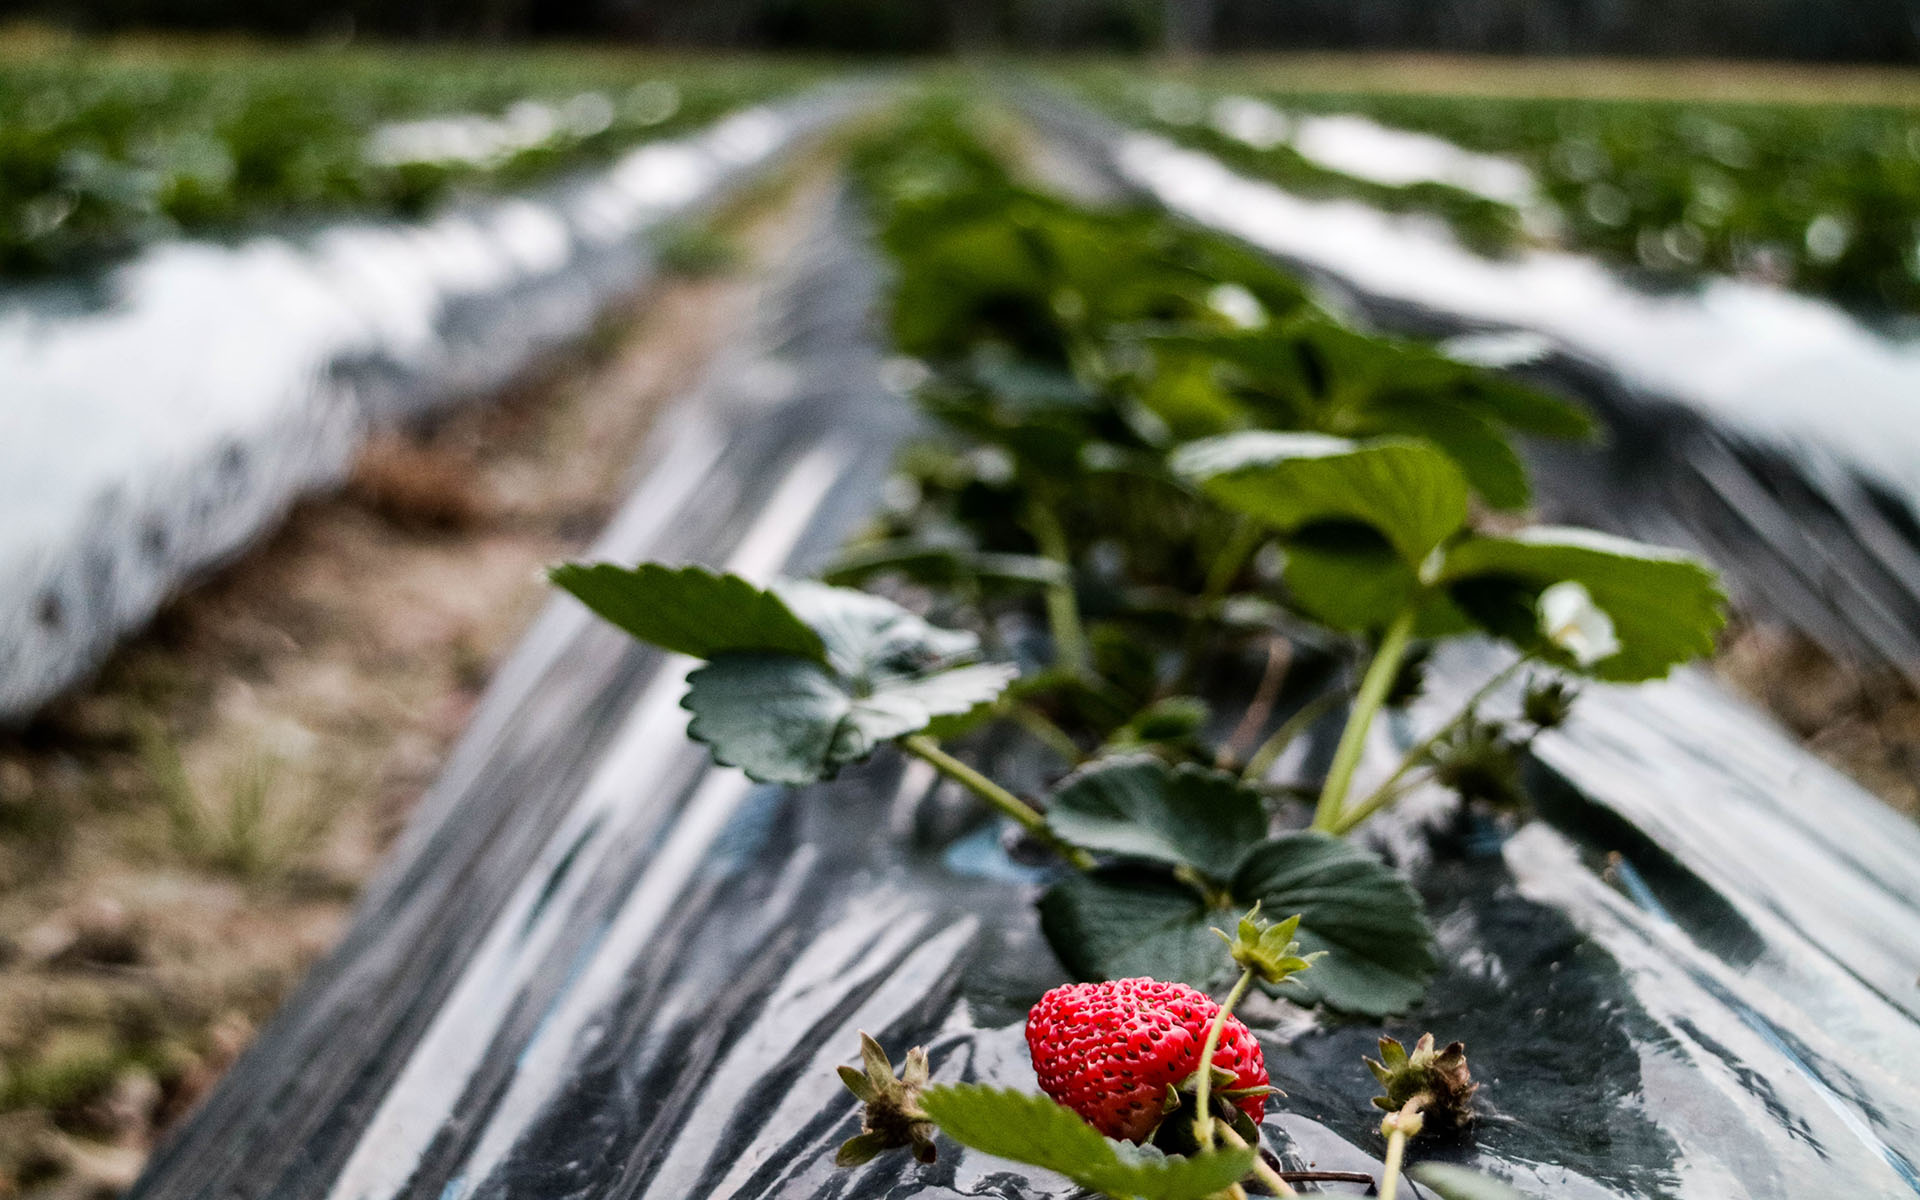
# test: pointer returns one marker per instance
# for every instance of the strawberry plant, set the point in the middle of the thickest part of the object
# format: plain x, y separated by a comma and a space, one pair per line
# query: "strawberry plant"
1158, 459
1820, 197
101, 151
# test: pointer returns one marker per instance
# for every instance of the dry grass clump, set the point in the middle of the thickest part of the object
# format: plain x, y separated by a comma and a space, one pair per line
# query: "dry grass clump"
420, 483
1865, 722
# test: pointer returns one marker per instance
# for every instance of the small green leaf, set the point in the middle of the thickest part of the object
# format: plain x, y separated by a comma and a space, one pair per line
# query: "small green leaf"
1122, 922
1408, 490
690, 610
1665, 606
1136, 806
1031, 1129
786, 720
1379, 951
1368, 919
860, 1149
866, 670
857, 1083
1458, 1183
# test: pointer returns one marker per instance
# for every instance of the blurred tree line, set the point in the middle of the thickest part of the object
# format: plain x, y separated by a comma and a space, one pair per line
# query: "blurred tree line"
1857, 30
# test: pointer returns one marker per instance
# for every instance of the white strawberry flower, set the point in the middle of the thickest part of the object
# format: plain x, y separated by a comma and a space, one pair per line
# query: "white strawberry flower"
1240, 307
1572, 621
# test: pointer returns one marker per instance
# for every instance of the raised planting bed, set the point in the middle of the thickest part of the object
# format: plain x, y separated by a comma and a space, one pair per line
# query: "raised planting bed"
162, 417
1681, 953
1821, 197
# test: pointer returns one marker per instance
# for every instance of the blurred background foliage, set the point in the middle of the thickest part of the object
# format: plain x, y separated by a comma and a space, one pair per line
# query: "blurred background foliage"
1826, 30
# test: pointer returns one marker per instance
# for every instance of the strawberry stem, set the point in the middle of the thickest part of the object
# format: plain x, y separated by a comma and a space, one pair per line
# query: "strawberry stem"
1204, 1124
1270, 750
927, 750
1399, 1126
1387, 793
1396, 1150
1063, 604
1261, 1171
1374, 687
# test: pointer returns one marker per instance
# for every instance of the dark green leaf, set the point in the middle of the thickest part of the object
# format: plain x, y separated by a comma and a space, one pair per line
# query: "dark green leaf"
1409, 491
1665, 606
1137, 806
787, 720
1119, 923
1367, 918
690, 610
1481, 450
1348, 577
1031, 1129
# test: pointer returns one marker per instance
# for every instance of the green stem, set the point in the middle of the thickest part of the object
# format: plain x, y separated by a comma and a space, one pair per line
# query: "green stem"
1291, 728
927, 750
1261, 1171
1242, 542
1387, 792
1205, 1121
1046, 730
1063, 606
1373, 693
1396, 1151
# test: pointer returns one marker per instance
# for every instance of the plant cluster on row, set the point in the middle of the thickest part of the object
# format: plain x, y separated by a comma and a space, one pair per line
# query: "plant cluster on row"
101, 152
1822, 198
1176, 516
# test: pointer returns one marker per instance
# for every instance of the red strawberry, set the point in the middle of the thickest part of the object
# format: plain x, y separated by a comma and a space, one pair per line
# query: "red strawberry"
1109, 1051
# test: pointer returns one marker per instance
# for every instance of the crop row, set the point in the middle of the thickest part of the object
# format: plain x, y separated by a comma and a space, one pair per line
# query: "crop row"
1174, 519
100, 153
1821, 198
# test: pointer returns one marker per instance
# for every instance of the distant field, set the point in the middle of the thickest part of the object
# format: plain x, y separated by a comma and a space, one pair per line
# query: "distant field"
107, 146
1575, 78
1795, 176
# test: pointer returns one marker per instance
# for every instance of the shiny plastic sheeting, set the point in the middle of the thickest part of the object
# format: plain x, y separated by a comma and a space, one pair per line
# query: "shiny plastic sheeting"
158, 419
598, 966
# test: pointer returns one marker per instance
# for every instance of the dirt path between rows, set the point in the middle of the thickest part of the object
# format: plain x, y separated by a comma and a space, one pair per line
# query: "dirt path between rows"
183, 837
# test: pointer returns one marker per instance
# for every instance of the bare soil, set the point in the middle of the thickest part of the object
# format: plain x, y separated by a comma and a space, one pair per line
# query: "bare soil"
180, 839
1865, 722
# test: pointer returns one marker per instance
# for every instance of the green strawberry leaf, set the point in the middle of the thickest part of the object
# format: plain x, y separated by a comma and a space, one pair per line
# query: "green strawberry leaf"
1121, 922
1479, 448
1365, 915
1032, 1129
1407, 490
1136, 806
786, 720
1348, 577
690, 610
802, 678
1665, 606
1379, 948
1458, 1183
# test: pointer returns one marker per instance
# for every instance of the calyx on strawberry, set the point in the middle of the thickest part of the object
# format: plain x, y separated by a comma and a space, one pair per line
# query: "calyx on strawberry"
890, 1115
1435, 1081
1125, 1055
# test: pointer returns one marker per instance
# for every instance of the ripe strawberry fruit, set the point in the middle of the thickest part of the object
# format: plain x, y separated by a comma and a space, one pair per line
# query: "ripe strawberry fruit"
1109, 1051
